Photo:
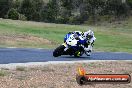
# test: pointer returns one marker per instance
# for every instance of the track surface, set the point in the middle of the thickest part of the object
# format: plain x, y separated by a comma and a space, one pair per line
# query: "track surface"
22, 55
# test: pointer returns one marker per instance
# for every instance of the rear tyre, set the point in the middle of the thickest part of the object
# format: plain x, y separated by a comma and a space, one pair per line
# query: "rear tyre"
58, 51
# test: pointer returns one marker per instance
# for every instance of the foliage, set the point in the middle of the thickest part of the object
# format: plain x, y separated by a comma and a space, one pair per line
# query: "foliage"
129, 2
50, 11
5, 5
22, 17
13, 14
66, 11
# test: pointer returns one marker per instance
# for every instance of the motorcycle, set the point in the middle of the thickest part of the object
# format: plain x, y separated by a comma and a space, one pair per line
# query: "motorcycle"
71, 47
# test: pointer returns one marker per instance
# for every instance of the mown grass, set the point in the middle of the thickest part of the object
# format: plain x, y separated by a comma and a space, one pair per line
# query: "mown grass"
111, 37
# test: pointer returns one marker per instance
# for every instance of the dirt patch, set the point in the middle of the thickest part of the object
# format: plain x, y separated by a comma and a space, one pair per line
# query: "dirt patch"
63, 75
12, 39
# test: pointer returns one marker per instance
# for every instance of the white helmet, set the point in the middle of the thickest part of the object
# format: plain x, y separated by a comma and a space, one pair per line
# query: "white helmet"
88, 34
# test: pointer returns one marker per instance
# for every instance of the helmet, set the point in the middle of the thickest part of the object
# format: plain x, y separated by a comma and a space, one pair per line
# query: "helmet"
77, 32
88, 34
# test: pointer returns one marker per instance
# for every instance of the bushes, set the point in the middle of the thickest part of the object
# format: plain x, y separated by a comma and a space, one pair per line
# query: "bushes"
22, 17
15, 15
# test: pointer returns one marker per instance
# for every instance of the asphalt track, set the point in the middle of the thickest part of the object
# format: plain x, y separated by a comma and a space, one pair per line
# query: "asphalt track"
23, 55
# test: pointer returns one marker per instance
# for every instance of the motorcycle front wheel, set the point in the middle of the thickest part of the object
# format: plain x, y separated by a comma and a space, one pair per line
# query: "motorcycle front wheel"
58, 51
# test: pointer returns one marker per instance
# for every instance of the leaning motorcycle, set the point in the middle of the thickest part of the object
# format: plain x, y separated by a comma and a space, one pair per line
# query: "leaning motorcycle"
71, 47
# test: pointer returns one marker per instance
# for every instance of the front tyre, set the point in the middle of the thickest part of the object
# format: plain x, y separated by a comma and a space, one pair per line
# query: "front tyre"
58, 51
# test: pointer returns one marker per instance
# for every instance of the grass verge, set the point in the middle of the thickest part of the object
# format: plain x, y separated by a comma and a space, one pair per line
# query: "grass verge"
110, 37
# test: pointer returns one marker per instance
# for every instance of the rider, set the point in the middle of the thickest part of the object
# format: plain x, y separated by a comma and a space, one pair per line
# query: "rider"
87, 40
85, 37
89, 37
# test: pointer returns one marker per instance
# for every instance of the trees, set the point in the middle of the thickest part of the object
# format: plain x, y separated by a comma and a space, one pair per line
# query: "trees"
32, 9
51, 11
65, 11
27, 9
129, 2
5, 5
94, 8
37, 7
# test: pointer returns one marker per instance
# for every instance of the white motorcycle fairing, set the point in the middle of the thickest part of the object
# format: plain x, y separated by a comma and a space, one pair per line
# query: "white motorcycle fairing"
71, 41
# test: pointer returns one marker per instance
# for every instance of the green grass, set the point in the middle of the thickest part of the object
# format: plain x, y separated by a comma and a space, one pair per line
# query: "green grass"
3, 73
111, 37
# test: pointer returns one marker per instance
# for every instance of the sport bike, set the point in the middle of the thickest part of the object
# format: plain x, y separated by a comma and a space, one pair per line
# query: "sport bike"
72, 47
